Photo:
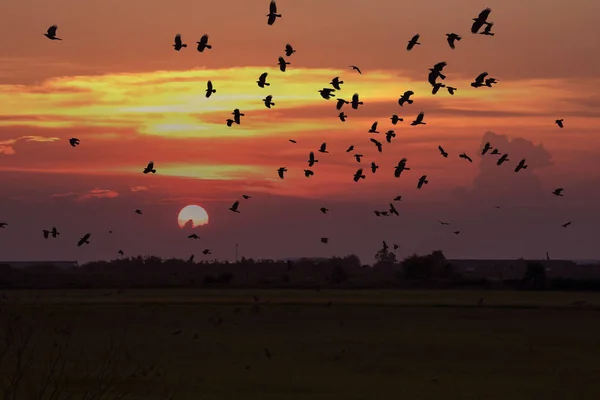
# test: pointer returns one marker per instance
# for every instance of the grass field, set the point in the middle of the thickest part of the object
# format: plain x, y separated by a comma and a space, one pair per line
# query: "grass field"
364, 345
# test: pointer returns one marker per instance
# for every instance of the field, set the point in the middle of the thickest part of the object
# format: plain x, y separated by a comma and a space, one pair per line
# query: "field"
210, 344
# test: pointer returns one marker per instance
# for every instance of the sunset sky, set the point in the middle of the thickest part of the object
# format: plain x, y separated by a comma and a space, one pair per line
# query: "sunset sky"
116, 83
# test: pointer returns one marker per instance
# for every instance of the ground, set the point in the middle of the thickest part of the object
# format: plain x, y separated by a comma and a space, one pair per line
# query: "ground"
204, 344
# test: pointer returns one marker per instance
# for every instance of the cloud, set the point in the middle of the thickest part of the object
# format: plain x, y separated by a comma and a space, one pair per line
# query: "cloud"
139, 188
6, 146
92, 194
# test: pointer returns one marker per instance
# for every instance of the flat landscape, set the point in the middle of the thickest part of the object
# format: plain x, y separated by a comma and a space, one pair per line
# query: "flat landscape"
293, 344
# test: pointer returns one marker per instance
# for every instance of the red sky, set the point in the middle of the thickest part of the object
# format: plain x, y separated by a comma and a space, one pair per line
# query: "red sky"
115, 83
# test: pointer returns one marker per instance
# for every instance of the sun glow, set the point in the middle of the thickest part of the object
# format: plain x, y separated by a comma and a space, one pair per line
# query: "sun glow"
196, 214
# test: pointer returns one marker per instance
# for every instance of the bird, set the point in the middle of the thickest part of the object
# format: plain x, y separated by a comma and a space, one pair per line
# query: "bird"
355, 101
235, 206
280, 171
308, 173
398, 198
272, 13
289, 50
209, 89
262, 80
547, 256
433, 75
405, 98
396, 247
373, 128
502, 159
358, 156
203, 44
268, 102
355, 68
452, 38
194, 236
178, 43
121, 252
495, 151
521, 165
393, 209
340, 104
377, 144
558, 192
566, 224
51, 33
282, 64
400, 167
46, 233
412, 42
84, 240
439, 67
74, 142
559, 122
488, 29
323, 148
335, 82
490, 81
324, 210
480, 20
419, 119
292, 141
359, 175
245, 196
451, 90
138, 211
486, 147
395, 119
437, 87
229, 122
237, 116
465, 156
442, 152
3, 224
149, 168
206, 251
478, 82
311, 159
327, 93
324, 240
389, 135
350, 148
456, 232
374, 167
443, 223
342, 116
422, 180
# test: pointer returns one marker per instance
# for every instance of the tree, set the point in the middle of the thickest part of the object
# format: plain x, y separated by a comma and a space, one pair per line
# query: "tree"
338, 275
385, 258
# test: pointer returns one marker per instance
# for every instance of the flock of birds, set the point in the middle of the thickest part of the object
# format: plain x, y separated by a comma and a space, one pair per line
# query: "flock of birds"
327, 93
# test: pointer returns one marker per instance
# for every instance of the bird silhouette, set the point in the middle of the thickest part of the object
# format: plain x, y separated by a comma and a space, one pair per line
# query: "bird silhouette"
342, 116
230, 122
3, 224
437, 87
422, 180
194, 236
272, 13
121, 252
149, 168
327, 93
178, 43
355, 101
398, 198
389, 135
559, 122
268, 102
350, 148
203, 44
358, 157
490, 81
419, 119
413, 42
235, 206
451, 90
324, 210
400, 167
289, 50
340, 104
209, 89
46, 233
456, 232
495, 151
355, 68
237, 116
465, 156
405, 98
262, 80
502, 159
374, 167
311, 159
84, 240
245, 196
443, 223
442, 152
324, 240
488, 29
393, 209
323, 148
292, 141
282, 64
480, 20
206, 252
280, 171
51, 33
395, 119
485, 149
308, 173
452, 38
566, 224
335, 82
74, 142
359, 175
478, 82
558, 192
373, 128
377, 144
138, 211
521, 165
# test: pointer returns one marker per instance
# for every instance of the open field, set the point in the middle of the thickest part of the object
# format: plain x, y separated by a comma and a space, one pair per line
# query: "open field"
210, 344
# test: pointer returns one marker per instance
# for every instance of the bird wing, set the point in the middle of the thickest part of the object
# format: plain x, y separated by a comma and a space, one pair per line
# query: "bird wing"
484, 14
263, 76
235, 205
178, 40
281, 60
420, 117
150, 165
481, 77
374, 126
273, 7
288, 47
209, 85
52, 30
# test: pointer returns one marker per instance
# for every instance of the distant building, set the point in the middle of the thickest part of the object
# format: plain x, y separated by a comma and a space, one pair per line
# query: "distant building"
28, 264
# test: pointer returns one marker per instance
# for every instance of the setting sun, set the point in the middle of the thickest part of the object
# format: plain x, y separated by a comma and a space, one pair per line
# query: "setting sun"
194, 214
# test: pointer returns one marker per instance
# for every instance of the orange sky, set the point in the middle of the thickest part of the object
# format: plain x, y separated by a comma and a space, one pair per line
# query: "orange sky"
115, 83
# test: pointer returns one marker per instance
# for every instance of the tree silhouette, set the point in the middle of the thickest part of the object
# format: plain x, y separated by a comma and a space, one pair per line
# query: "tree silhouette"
385, 258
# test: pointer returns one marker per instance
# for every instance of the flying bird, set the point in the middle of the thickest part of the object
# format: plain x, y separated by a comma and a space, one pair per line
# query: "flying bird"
488, 29
149, 168
308, 173
393, 209
452, 38
84, 240
138, 211
178, 43
480, 20
559, 122
558, 192
490, 81
442, 152
398, 198
229, 122
327, 93
51, 33
342, 116
355, 68
245, 196
209, 89
389, 135
335, 82
194, 236
206, 252
272, 13
268, 102
311, 159
359, 175
373, 128
405, 98
374, 167
377, 144
521, 165
323, 148
121, 252
282, 64
324, 210
262, 80
566, 224
400, 167
355, 101
479, 80
465, 156
292, 141
358, 156
502, 159
3, 224
419, 120
395, 119
350, 148
437, 87
443, 223
289, 50
74, 142
456, 232
235, 206
203, 44
324, 240
422, 180
340, 104
485, 149
280, 171
451, 90
412, 42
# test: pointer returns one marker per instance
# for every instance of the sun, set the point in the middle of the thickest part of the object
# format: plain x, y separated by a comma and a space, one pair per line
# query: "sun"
196, 214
